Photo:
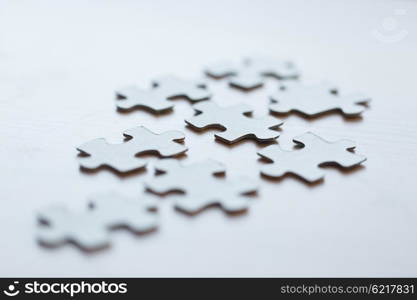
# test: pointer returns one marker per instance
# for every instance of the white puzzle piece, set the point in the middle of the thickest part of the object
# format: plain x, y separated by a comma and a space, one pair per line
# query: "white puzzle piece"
90, 229
316, 100
252, 72
306, 162
156, 99
200, 188
235, 123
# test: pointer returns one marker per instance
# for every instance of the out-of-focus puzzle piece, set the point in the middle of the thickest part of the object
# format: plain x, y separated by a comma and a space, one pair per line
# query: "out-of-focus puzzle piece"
90, 229
252, 72
315, 100
306, 162
122, 157
156, 99
200, 188
235, 122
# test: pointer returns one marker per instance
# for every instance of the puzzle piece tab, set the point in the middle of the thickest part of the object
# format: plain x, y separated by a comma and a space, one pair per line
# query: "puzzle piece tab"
122, 157
90, 229
235, 123
252, 72
306, 161
157, 98
315, 100
201, 189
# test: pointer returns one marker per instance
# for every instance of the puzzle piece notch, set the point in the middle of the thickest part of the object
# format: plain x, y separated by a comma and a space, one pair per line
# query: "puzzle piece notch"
279, 69
306, 161
251, 74
172, 87
157, 98
90, 229
315, 100
200, 188
132, 97
235, 122
122, 158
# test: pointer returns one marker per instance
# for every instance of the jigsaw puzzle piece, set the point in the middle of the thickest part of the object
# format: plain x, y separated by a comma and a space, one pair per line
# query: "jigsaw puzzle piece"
206, 116
177, 177
118, 157
339, 152
222, 70
354, 104
116, 210
65, 227
234, 122
305, 162
90, 229
228, 195
132, 97
157, 98
279, 169
166, 144
257, 129
246, 80
121, 158
174, 87
251, 73
283, 163
315, 100
280, 69
239, 76
199, 187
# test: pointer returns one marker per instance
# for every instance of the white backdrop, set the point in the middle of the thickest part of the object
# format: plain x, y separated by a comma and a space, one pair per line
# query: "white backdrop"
60, 62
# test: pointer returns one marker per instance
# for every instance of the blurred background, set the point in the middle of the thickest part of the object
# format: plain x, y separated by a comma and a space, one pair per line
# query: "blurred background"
61, 61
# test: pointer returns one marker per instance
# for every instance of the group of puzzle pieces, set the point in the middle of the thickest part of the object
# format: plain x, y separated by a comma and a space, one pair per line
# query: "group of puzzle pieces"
196, 183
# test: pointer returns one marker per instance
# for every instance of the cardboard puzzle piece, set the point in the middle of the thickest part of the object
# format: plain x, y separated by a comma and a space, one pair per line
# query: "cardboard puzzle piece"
235, 122
306, 162
200, 188
156, 99
312, 101
90, 229
252, 72
122, 158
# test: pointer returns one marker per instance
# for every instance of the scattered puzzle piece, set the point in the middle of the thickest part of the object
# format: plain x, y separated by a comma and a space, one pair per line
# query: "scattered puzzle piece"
251, 74
316, 100
201, 189
157, 98
122, 157
306, 161
90, 229
235, 123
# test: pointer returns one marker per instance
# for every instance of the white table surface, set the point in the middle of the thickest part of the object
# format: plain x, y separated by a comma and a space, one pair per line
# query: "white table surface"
60, 62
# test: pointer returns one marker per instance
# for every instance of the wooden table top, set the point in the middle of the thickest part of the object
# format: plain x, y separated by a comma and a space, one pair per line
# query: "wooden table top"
60, 64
